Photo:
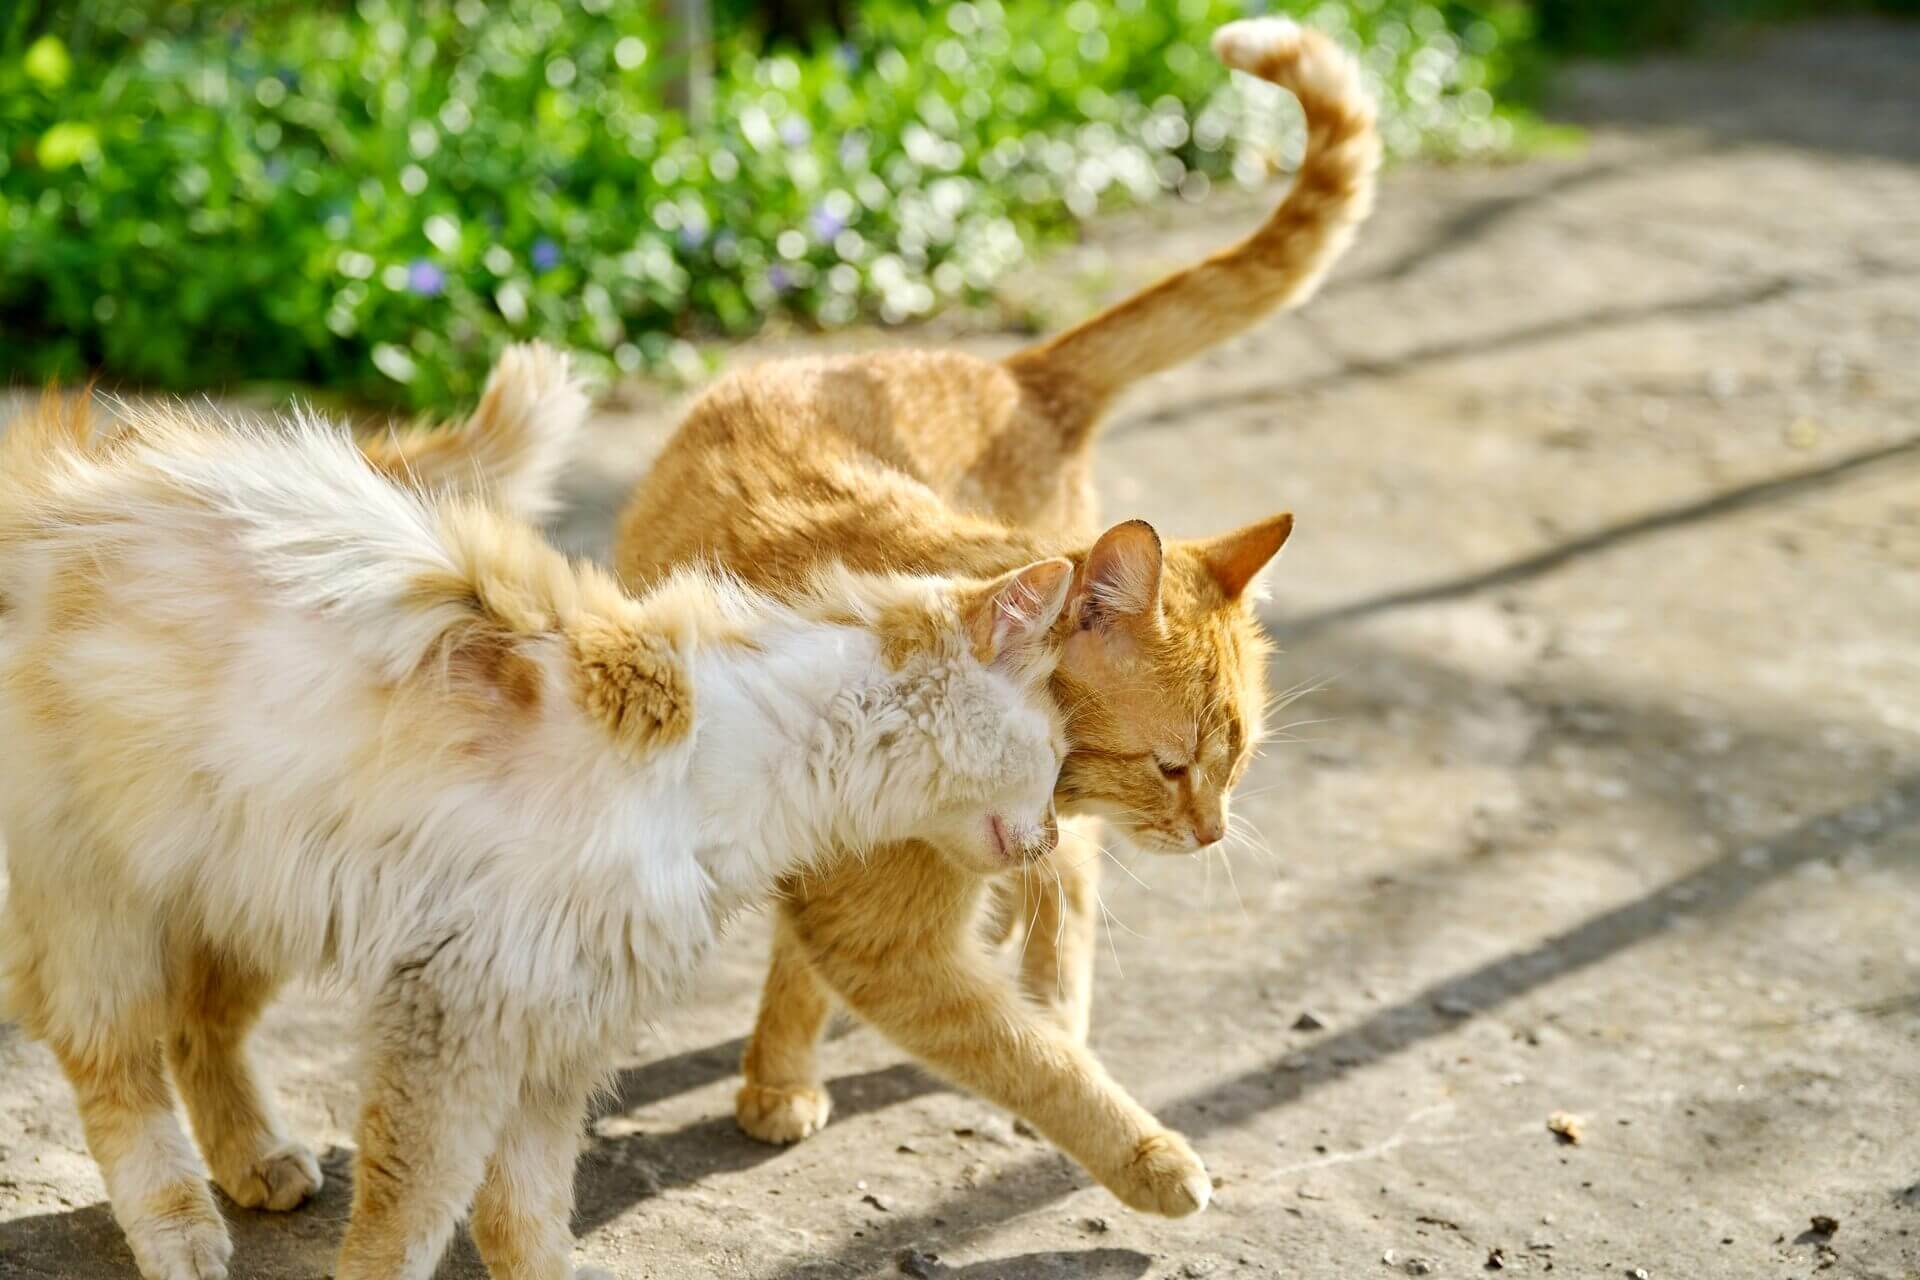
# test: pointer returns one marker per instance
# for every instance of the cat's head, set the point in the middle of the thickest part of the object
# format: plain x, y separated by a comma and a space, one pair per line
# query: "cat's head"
959, 742
1163, 680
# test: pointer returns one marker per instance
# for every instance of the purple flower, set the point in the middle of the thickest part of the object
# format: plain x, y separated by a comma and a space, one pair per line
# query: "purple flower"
777, 277
545, 255
795, 132
826, 224
425, 279
692, 236
847, 56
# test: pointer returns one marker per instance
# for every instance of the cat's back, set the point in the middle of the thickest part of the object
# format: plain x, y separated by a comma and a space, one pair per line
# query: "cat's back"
779, 466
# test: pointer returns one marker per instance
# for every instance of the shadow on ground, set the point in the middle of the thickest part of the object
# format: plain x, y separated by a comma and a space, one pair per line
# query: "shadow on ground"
1844, 87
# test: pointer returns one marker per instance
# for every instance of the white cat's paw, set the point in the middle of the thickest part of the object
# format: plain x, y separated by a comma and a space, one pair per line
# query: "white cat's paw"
1164, 1177
280, 1180
781, 1116
181, 1236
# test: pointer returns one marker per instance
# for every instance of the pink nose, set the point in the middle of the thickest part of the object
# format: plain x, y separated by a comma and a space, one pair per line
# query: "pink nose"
1208, 832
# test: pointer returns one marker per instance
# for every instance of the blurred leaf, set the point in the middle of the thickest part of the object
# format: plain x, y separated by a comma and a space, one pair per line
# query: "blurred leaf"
47, 62
67, 144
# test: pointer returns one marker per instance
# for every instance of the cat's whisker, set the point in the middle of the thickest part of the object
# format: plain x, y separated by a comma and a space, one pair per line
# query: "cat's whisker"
1127, 869
1026, 934
1107, 917
1239, 824
1060, 928
1304, 688
1299, 724
1244, 840
1226, 861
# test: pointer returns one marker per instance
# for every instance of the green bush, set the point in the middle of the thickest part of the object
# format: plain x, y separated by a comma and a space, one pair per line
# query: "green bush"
376, 196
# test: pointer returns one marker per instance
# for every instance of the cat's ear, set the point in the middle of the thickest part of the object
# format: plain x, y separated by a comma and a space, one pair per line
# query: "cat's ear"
1121, 581
1016, 609
1236, 559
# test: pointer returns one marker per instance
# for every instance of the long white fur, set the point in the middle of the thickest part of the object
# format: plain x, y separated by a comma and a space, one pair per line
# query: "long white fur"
261, 587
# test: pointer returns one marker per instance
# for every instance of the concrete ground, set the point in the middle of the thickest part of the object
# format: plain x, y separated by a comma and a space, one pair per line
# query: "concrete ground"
1606, 799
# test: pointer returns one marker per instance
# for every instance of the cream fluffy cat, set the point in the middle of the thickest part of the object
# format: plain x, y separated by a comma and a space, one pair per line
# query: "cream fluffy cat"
265, 713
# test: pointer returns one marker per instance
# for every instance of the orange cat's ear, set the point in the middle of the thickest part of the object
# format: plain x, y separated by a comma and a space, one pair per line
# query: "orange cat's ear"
1122, 577
1236, 559
1017, 608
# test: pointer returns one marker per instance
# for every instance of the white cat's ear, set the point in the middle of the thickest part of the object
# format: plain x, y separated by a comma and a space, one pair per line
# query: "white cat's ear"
1016, 609
1235, 559
1121, 581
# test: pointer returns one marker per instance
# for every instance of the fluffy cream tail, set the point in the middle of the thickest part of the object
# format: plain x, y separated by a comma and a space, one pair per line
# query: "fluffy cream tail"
511, 450
1279, 265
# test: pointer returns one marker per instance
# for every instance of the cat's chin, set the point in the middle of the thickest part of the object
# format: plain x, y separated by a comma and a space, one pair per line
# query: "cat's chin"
998, 844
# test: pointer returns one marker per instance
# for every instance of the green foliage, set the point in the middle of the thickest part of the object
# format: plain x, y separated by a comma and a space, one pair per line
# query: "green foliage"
376, 196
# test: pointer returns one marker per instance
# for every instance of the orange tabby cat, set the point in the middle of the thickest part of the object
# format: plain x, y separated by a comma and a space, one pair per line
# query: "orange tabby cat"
944, 463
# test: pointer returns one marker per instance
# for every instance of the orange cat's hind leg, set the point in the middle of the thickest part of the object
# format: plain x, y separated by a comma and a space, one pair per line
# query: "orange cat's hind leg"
214, 1002
783, 1099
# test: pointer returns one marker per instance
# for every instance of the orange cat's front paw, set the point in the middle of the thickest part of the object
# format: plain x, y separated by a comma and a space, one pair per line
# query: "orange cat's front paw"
779, 1115
1165, 1177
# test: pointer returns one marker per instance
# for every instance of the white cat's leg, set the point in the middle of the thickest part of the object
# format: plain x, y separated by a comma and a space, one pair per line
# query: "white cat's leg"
436, 1094
90, 986
154, 1179
521, 1216
214, 1002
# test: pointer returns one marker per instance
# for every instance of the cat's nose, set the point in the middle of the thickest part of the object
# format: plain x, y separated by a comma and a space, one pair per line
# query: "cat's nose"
1208, 831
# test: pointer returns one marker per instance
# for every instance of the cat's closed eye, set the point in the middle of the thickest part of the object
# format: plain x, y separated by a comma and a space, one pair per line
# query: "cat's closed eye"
1172, 772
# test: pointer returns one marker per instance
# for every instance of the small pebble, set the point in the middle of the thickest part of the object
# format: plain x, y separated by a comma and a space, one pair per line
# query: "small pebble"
1307, 1021
1567, 1127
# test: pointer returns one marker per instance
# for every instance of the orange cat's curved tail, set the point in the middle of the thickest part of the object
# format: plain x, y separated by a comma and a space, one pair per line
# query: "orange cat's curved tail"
1277, 266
